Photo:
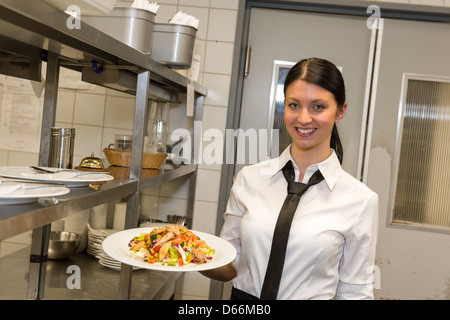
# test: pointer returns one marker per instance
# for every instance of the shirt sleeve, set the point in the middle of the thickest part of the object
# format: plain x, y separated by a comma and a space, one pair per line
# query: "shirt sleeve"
232, 217
358, 259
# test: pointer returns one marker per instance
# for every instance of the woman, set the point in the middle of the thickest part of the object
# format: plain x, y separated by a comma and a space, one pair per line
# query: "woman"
332, 238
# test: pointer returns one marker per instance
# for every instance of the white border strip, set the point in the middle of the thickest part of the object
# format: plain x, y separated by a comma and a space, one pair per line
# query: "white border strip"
371, 109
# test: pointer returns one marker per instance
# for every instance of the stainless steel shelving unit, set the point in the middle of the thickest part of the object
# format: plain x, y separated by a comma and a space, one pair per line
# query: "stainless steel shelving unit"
32, 31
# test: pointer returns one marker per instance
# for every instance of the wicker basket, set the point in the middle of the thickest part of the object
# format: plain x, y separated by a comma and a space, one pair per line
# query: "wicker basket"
122, 158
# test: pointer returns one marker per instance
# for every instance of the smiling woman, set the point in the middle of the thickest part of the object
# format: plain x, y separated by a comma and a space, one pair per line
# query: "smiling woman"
314, 99
331, 234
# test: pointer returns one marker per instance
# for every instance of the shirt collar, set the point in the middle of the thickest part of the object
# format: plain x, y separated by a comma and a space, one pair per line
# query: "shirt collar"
330, 167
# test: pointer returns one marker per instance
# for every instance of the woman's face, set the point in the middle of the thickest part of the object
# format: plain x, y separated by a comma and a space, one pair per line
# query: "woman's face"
309, 114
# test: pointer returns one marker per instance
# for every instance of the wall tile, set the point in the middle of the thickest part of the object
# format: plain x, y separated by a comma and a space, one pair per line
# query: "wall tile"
203, 15
207, 186
18, 158
88, 139
222, 25
171, 206
119, 112
228, 4
65, 106
178, 189
149, 207
89, 109
165, 13
219, 57
218, 89
214, 118
194, 3
205, 217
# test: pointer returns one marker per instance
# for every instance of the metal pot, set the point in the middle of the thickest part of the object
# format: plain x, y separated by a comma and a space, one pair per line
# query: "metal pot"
62, 244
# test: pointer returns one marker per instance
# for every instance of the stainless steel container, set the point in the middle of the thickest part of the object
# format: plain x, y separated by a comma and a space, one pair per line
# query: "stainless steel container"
131, 26
61, 147
62, 244
173, 44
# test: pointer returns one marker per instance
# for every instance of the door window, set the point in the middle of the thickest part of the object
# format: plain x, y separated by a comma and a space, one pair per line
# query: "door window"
422, 194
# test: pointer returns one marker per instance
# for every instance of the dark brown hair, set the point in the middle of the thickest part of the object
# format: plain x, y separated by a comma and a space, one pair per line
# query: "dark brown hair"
326, 75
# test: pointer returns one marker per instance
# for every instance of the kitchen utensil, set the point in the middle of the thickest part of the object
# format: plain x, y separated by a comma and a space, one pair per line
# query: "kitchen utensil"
91, 162
131, 26
178, 220
123, 158
157, 137
62, 244
173, 44
157, 128
54, 170
61, 147
123, 141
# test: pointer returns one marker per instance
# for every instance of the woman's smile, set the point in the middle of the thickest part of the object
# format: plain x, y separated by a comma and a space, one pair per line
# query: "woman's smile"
305, 132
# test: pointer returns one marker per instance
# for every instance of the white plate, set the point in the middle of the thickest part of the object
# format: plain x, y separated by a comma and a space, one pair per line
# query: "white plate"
73, 178
23, 195
116, 246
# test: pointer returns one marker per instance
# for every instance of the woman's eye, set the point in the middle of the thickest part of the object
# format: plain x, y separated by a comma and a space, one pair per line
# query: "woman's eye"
318, 107
293, 105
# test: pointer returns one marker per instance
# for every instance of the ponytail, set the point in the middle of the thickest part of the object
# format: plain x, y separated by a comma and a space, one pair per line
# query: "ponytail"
336, 143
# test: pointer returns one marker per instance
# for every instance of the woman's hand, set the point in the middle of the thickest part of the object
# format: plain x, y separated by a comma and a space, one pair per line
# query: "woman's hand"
225, 273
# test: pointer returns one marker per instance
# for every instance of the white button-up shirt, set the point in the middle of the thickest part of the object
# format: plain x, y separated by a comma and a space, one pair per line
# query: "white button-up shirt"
331, 248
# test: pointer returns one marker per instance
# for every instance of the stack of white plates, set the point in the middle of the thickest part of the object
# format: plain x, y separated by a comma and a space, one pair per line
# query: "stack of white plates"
109, 262
94, 246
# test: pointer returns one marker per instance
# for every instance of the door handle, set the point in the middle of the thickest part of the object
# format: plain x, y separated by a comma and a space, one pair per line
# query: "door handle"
247, 60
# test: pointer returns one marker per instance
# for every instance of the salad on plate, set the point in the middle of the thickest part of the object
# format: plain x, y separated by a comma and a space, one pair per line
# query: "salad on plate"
171, 245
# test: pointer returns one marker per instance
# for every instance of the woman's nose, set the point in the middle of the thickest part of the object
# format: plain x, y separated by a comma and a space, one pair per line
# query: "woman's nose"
304, 117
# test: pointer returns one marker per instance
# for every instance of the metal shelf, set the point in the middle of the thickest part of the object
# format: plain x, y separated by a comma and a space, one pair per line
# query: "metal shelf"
16, 219
32, 31
29, 21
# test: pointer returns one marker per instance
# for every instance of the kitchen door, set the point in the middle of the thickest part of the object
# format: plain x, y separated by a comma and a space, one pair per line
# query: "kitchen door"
407, 159
280, 38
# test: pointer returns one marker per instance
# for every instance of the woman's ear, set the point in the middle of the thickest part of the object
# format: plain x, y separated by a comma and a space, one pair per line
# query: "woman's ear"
341, 113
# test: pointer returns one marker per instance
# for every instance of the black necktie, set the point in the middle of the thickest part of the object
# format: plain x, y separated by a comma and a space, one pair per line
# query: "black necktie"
281, 235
